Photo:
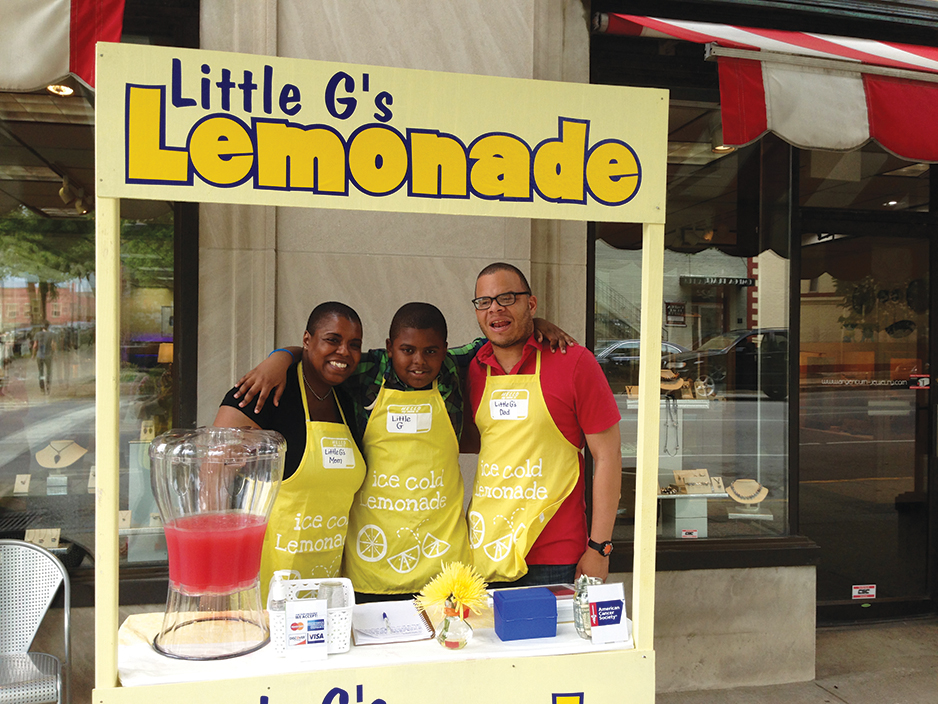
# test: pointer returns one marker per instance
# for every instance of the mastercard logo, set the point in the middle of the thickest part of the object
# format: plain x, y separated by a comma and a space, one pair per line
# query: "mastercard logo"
297, 626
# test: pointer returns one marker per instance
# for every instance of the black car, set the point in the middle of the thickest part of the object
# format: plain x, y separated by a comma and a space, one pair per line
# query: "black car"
739, 359
619, 360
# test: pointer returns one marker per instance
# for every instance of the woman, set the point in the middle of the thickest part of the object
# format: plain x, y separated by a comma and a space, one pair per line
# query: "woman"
324, 466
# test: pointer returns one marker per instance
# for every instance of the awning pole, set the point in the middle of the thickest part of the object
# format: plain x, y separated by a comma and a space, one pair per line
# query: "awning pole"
713, 51
107, 437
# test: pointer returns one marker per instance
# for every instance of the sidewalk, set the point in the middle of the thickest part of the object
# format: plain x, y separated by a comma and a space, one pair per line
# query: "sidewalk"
883, 663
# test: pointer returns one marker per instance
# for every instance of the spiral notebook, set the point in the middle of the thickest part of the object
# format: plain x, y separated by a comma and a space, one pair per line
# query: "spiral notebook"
389, 622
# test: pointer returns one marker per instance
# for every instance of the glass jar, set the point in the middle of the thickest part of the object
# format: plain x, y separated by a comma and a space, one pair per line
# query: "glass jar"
581, 606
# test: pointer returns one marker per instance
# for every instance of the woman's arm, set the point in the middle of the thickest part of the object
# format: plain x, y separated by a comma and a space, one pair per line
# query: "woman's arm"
228, 417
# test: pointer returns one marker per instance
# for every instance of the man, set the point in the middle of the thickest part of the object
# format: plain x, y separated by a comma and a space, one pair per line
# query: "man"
535, 412
43, 348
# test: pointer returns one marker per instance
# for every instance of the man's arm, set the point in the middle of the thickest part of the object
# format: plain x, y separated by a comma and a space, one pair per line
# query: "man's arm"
606, 450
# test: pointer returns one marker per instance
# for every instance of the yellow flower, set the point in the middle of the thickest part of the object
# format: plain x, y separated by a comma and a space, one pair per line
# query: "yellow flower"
458, 583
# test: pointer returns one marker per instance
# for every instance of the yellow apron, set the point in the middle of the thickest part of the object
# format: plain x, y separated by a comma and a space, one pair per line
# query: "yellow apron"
309, 520
526, 469
407, 519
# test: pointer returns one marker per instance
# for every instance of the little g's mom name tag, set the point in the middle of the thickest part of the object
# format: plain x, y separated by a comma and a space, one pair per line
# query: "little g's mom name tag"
337, 453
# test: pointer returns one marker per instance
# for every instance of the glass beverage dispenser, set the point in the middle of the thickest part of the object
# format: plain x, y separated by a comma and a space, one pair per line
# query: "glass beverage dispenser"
214, 488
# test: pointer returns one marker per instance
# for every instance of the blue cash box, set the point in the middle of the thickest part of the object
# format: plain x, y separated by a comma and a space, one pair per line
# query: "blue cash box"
525, 613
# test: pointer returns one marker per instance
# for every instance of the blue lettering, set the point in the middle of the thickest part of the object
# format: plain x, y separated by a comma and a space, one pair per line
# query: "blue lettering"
348, 104
178, 100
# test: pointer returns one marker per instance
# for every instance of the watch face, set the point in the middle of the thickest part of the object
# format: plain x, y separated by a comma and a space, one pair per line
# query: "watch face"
607, 548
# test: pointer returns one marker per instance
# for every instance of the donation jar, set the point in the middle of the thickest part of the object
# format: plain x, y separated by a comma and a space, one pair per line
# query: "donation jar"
214, 488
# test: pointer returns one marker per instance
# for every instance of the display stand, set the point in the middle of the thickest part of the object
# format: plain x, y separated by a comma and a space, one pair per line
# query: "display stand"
685, 515
749, 512
141, 90
145, 539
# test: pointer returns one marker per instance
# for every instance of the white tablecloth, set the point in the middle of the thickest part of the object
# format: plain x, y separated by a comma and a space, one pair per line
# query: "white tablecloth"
139, 664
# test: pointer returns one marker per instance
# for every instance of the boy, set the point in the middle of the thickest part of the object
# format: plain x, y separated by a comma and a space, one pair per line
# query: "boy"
407, 519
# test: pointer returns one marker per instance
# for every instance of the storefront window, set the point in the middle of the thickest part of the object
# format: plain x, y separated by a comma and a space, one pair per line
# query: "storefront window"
723, 435
864, 422
47, 380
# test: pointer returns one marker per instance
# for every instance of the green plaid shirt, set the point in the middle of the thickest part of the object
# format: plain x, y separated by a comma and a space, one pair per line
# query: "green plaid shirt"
375, 367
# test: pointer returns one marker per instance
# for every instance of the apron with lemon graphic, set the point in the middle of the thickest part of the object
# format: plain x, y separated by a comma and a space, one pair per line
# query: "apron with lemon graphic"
407, 519
309, 521
526, 470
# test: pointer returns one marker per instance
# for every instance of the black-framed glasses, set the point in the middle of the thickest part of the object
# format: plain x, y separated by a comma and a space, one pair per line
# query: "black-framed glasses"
504, 299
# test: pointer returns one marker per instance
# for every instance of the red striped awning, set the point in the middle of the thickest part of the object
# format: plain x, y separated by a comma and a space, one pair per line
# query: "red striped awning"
42, 41
815, 91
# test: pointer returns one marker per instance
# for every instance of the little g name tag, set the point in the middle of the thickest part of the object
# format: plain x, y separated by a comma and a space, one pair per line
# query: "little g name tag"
410, 419
337, 453
509, 404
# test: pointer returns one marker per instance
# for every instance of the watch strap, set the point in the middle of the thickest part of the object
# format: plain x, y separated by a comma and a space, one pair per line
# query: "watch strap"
604, 548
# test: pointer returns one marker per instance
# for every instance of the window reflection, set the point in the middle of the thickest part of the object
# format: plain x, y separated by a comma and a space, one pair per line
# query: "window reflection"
47, 392
864, 408
723, 434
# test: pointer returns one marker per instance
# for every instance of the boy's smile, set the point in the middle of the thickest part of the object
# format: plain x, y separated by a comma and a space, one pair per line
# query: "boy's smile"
417, 356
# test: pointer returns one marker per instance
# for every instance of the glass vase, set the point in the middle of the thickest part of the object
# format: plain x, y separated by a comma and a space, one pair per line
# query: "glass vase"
454, 633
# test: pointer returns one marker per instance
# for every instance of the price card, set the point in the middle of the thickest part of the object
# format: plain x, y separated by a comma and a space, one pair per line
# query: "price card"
92, 482
21, 484
123, 520
155, 520
44, 537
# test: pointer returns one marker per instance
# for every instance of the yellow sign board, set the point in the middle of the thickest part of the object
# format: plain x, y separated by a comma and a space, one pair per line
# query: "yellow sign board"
187, 125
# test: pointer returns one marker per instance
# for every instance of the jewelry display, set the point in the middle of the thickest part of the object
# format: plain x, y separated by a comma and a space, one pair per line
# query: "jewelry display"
747, 491
60, 453
58, 450
670, 405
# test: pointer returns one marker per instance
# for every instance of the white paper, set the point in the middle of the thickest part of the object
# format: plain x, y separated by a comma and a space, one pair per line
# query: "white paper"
389, 622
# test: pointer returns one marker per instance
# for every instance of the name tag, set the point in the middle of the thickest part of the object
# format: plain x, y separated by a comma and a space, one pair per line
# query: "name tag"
509, 404
337, 453
410, 419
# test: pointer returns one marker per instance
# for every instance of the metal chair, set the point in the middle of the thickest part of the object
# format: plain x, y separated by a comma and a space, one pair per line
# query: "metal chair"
30, 577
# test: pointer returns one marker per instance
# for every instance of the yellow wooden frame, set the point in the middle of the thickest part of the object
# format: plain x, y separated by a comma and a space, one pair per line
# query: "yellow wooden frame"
603, 676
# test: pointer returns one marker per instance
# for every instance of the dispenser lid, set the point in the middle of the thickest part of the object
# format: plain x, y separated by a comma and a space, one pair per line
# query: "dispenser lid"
248, 444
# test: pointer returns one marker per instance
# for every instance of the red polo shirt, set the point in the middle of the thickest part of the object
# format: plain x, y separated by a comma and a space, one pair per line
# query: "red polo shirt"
581, 403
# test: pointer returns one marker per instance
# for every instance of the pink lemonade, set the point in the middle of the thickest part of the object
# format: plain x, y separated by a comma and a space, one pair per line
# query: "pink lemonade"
214, 552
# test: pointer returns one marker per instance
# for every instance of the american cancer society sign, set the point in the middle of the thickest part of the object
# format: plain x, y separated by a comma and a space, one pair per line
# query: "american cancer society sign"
189, 125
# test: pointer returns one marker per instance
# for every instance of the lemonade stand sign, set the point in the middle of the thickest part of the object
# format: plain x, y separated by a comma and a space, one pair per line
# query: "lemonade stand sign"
187, 125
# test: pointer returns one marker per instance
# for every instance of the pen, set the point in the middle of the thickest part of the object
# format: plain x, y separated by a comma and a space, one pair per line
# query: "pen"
387, 622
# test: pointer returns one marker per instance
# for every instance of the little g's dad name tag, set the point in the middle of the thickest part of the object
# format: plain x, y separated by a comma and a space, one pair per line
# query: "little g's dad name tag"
509, 404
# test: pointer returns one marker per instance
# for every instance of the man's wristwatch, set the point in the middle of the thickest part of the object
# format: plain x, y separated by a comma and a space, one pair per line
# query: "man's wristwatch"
604, 548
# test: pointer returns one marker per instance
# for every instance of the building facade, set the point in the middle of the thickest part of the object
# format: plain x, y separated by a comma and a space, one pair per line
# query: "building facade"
798, 314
